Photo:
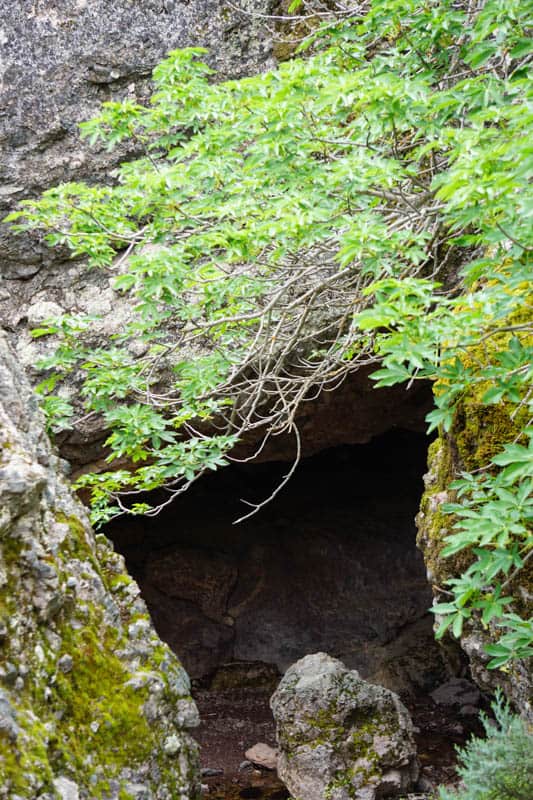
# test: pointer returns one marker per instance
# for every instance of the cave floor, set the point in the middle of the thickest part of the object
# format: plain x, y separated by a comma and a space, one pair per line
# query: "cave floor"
234, 720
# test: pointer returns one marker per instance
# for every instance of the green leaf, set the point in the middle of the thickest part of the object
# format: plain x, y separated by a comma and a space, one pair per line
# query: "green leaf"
522, 48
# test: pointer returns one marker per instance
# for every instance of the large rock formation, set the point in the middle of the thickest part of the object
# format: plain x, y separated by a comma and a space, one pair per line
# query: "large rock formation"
339, 737
92, 703
60, 59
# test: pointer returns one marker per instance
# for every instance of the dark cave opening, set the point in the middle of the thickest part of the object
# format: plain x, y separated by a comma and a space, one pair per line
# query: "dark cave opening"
330, 564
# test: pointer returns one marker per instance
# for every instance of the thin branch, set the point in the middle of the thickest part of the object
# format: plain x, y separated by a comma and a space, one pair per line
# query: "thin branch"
279, 487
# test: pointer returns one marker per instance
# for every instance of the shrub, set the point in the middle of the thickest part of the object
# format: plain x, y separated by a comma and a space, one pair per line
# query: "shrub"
499, 767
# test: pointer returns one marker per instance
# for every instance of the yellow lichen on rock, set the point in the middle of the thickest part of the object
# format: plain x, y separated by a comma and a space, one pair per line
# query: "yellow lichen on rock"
479, 431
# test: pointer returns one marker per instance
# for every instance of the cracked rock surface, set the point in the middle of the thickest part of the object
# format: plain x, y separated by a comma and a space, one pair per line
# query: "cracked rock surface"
340, 737
60, 59
91, 700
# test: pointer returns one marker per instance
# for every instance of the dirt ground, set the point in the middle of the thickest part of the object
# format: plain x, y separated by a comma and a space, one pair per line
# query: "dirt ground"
235, 720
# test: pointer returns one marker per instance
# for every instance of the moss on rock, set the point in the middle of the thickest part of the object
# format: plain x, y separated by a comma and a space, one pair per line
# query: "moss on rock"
341, 738
90, 698
478, 432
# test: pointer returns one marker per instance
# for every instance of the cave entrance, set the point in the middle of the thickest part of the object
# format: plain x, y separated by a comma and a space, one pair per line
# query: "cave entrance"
330, 564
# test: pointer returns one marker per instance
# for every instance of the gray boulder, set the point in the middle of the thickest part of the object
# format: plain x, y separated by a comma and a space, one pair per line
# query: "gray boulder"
339, 737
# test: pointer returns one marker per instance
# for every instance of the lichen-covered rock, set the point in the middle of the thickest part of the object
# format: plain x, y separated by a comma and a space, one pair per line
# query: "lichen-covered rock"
339, 737
92, 704
478, 433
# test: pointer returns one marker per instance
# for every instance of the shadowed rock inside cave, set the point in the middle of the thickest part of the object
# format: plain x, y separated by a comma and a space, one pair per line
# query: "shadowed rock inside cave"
329, 565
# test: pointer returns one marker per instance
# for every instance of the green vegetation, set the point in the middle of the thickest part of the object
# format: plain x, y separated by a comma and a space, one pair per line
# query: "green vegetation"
369, 202
499, 767
87, 723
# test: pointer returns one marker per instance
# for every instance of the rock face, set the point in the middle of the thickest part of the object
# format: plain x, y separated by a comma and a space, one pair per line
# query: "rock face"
60, 59
341, 738
478, 433
91, 700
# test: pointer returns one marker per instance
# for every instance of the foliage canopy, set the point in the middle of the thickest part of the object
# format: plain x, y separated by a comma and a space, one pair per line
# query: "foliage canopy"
368, 202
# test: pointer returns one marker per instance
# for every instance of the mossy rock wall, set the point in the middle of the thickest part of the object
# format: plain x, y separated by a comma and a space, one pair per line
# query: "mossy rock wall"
478, 433
92, 703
